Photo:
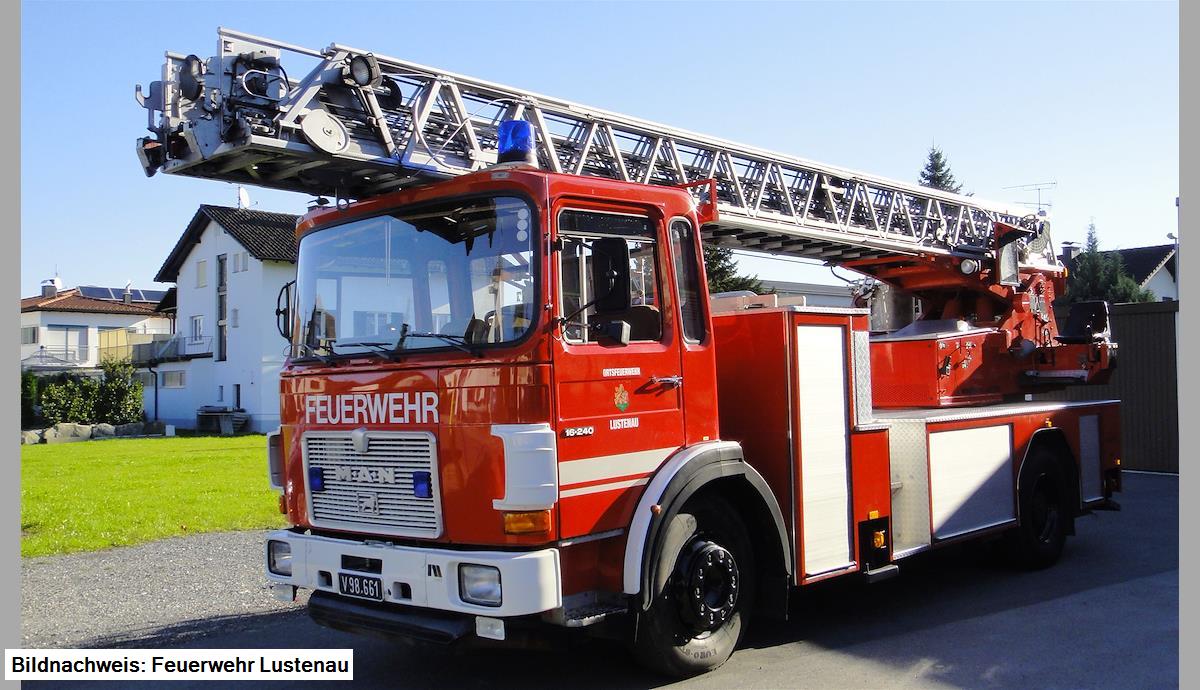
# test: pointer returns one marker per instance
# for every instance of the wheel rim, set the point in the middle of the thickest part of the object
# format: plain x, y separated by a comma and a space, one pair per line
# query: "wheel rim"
1045, 510
709, 582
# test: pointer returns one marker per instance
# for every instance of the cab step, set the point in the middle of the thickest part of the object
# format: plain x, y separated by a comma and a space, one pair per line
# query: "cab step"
882, 573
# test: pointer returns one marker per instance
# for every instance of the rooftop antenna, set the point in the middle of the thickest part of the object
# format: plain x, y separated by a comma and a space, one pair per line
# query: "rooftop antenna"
1038, 187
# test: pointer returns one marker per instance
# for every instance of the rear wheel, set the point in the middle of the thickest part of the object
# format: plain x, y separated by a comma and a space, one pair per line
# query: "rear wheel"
1045, 512
707, 581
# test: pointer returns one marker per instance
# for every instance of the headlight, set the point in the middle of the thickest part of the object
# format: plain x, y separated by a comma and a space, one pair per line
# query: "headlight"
479, 584
279, 557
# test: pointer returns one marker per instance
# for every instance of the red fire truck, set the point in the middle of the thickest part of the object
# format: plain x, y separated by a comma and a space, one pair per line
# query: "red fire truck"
511, 402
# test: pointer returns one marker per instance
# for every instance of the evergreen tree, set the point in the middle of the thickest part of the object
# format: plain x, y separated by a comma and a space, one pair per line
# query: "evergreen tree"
936, 172
1099, 275
722, 272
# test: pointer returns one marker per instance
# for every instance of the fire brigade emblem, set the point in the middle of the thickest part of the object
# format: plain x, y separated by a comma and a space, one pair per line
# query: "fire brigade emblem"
621, 397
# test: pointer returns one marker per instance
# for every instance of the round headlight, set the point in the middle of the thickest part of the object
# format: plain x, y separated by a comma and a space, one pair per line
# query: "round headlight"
968, 266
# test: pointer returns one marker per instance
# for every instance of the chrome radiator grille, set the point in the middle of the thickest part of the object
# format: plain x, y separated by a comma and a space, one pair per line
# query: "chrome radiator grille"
368, 481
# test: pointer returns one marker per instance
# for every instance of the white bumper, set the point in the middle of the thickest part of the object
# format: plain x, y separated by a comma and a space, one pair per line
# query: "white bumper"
530, 580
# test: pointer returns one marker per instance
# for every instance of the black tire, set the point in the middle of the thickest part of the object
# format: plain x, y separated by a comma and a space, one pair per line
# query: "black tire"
674, 637
1045, 512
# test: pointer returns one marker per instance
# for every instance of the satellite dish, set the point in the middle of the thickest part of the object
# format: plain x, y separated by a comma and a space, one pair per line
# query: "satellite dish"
243, 198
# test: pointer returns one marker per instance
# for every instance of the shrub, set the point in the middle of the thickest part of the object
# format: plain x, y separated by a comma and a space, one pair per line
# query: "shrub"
116, 399
70, 400
120, 398
29, 399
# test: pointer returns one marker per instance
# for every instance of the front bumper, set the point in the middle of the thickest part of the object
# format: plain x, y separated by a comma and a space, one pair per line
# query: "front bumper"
424, 577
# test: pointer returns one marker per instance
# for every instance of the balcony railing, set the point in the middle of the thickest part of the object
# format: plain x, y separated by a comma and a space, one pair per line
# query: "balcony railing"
149, 348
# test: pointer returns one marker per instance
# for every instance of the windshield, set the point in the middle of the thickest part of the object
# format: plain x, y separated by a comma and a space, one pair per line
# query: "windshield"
457, 274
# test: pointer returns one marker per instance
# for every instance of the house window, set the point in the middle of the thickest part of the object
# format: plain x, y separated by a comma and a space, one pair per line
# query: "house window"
201, 273
172, 379
145, 378
68, 343
233, 318
237, 396
197, 328
220, 393
29, 335
222, 305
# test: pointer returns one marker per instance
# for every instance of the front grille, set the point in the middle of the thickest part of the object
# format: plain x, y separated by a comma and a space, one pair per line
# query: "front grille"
372, 491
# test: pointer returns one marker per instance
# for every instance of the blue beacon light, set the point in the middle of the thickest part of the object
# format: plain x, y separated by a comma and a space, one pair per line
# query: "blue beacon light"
515, 142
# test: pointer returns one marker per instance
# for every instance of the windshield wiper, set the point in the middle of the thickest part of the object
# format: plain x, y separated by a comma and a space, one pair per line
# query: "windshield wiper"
457, 341
312, 352
383, 349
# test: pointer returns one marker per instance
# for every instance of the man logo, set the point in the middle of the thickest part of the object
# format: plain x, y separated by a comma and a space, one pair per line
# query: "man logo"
365, 475
368, 504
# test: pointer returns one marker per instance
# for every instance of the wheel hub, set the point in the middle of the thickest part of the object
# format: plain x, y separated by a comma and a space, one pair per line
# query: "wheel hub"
709, 584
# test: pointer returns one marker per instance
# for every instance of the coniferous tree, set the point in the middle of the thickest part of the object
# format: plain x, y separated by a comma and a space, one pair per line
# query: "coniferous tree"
936, 173
1099, 275
723, 274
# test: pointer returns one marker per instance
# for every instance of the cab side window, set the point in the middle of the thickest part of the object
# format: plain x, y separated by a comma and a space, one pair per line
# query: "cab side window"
577, 231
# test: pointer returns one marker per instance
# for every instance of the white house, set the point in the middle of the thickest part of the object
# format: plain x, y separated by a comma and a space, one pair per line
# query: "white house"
228, 268
67, 329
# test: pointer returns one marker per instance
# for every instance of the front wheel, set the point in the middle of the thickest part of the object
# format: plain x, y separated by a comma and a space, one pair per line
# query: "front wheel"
696, 620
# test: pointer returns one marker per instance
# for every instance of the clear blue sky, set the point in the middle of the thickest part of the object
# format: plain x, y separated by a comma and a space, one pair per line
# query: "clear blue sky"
1078, 93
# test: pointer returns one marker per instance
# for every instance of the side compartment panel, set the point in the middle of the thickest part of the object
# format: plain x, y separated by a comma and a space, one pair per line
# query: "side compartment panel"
824, 469
1089, 458
971, 479
910, 486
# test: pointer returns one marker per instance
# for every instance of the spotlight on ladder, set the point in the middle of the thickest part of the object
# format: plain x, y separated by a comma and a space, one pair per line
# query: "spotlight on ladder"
364, 70
515, 142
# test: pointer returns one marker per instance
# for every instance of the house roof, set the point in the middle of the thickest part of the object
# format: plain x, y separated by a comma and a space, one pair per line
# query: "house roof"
71, 300
1141, 263
266, 236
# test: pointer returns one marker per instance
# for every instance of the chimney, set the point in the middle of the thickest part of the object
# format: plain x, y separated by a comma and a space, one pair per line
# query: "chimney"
1070, 250
127, 298
50, 287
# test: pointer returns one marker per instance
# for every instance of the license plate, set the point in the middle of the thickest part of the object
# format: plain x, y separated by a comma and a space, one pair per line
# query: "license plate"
360, 586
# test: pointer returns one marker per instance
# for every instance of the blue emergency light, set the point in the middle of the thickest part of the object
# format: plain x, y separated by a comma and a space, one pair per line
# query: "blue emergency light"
515, 142
316, 478
422, 484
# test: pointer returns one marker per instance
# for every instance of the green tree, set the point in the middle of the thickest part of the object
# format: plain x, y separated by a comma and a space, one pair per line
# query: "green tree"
936, 172
1099, 275
723, 274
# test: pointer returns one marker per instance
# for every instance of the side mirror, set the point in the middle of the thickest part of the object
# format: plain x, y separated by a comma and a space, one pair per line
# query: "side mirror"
610, 274
283, 310
616, 332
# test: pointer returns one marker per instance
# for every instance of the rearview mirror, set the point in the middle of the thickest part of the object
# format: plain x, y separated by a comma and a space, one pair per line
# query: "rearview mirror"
283, 310
610, 274
612, 331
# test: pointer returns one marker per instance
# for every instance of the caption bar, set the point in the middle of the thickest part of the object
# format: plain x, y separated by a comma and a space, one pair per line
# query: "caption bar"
179, 664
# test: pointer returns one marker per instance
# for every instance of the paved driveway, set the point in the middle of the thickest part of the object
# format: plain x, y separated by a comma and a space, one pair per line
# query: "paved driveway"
1106, 616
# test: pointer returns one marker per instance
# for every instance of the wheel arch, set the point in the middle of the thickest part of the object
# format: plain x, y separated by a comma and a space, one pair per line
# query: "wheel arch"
719, 467
1053, 440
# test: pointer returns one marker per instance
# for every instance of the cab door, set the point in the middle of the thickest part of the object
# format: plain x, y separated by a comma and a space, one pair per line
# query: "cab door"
619, 407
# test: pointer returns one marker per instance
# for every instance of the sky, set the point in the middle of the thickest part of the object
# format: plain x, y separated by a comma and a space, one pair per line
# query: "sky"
1084, 95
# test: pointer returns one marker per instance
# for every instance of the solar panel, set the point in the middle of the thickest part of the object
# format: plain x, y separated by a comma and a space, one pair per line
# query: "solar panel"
118, 294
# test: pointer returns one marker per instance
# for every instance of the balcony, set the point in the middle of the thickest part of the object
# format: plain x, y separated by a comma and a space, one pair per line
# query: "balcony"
148, 349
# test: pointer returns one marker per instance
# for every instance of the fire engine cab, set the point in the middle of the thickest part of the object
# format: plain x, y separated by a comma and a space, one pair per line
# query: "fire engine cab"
511, 403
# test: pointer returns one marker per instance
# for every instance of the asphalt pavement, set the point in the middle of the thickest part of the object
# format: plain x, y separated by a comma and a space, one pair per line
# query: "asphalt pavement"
1107, 616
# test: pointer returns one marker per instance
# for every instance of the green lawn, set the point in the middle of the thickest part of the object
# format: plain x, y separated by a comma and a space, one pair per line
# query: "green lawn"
96, 494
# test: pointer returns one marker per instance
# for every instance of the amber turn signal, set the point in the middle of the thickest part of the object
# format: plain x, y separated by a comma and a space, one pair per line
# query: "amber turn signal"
282, 504
879, 539
527, 522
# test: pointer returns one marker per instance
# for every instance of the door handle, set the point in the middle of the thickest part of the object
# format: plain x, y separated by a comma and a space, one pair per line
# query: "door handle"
672, 381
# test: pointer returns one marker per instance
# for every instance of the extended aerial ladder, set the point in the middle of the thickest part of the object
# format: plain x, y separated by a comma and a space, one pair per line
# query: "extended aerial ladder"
358, 124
